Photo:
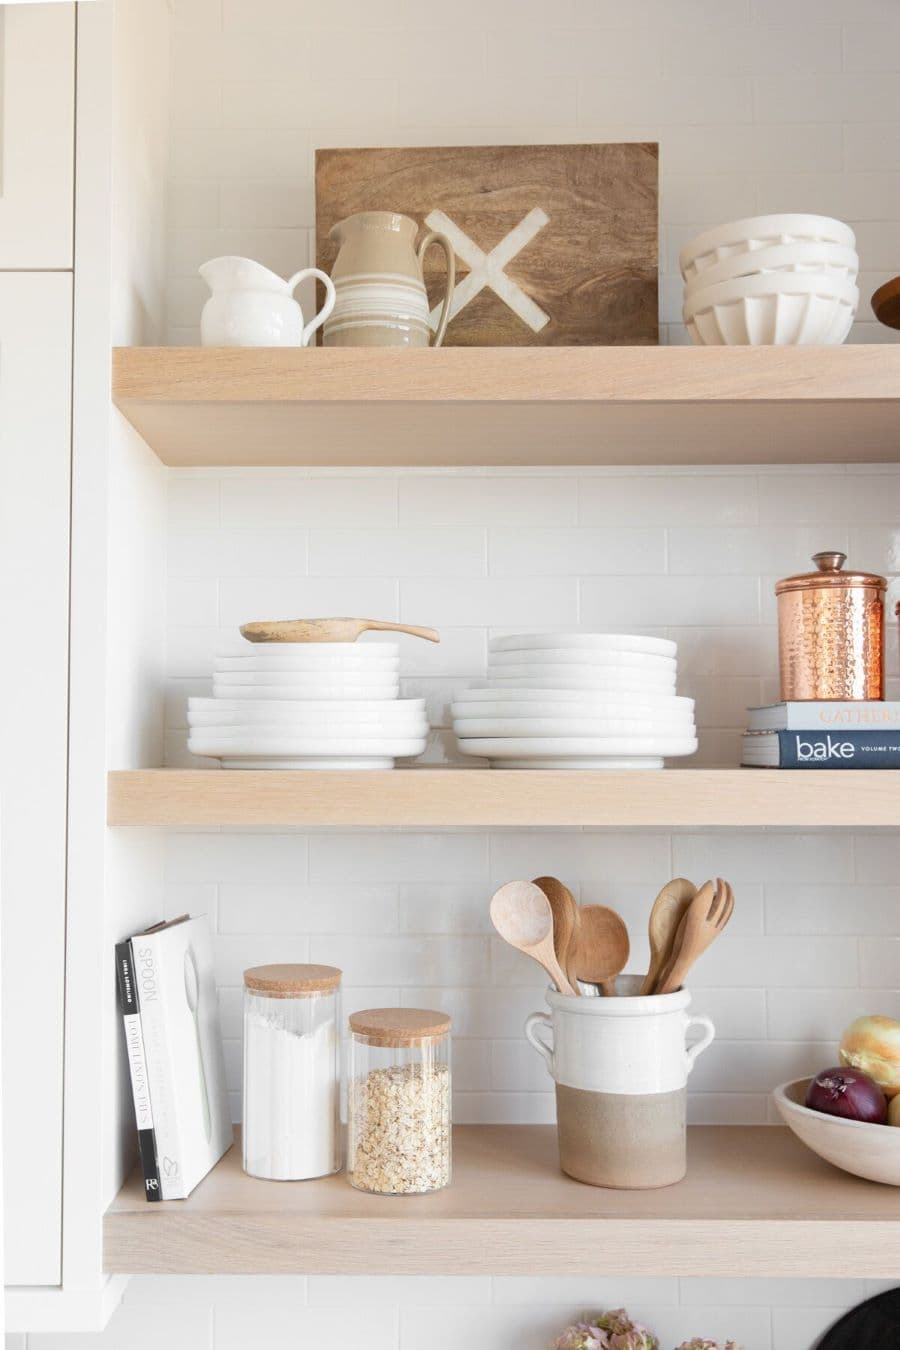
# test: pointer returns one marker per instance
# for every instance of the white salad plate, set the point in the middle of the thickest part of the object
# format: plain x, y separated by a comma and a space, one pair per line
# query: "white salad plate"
666, 707
306, 677
310, 762
221, 711
273, 650
322, 669
329, 692
578, 762
539, 747
467, 727
588, 697
280, 732
581, 660
601, 642
557, 677
298, 746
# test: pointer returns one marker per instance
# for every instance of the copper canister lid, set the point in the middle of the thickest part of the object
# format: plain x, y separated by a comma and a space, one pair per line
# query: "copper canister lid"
830, 574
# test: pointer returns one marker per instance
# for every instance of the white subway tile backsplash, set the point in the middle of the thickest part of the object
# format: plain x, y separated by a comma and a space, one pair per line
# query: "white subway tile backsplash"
829, 910
244, 598
470, 499
425, 552
750, 856
668, 500
608, 604
307, 909
297, 500
398, 857
879, 963
490, 600
819, 1014
568, 552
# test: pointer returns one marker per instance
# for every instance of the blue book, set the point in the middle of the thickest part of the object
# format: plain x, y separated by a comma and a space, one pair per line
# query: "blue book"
821, 750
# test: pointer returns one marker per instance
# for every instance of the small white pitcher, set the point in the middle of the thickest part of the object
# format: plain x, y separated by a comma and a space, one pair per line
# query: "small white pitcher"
621, 1067
253, 307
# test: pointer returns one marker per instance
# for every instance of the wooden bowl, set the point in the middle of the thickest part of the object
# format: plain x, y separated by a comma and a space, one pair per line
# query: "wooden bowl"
870, 1151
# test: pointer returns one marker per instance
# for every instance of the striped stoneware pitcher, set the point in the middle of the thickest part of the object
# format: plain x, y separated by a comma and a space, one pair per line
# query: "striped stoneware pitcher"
381, 299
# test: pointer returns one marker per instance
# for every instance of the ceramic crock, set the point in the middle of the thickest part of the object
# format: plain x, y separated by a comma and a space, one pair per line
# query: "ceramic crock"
253, 307
381, 297
621, 1067
831, 632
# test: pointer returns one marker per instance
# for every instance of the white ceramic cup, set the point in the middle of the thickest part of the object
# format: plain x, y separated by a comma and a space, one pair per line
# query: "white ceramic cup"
621, 1067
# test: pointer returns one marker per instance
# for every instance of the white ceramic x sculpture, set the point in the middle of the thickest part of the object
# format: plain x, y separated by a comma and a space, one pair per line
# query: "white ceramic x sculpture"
487, 269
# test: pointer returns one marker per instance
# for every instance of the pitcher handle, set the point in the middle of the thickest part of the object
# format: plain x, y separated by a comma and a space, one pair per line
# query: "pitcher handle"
534, 1038
443, 243
694, 1051
318, 319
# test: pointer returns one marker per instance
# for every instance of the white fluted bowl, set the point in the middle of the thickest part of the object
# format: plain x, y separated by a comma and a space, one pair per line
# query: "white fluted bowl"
757, 232
782, 309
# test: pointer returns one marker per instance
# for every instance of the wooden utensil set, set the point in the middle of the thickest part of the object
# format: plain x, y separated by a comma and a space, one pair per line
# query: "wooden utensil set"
583, 948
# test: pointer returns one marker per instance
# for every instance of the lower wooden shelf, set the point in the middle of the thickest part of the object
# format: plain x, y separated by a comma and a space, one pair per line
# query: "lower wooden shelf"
755, 1202
496, 798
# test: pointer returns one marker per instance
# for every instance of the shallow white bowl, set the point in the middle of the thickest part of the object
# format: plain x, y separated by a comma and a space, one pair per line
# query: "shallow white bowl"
286, 693
539, 747
870, 1151
756, 232
614, 642
818, 259
578, 658
778, 309
467, 727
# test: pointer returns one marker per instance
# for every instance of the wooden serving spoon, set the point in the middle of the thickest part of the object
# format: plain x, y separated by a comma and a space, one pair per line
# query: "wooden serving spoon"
665, 916
521, 914
705, 917
327, 630
565, 924
602, 947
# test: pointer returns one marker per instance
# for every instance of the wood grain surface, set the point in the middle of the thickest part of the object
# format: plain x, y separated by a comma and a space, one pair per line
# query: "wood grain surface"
592, 268
754, 1202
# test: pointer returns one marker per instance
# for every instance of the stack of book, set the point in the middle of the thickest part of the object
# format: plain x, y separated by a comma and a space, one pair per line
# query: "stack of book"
826, 735
169, 1003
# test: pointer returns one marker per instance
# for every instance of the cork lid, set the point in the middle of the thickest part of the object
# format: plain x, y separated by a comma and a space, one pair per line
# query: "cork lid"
292, 981
399, 1026
830, 573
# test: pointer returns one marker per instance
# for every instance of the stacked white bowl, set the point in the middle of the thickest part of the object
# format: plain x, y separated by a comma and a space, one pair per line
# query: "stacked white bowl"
308, 705
576, 701
780, 280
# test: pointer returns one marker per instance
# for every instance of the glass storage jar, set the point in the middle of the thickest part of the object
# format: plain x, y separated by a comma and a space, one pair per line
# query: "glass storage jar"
398, 1101
292, 1073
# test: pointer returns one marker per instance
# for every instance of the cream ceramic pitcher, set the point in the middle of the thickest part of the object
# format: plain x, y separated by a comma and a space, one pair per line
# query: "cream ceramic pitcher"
253, 307
381, 298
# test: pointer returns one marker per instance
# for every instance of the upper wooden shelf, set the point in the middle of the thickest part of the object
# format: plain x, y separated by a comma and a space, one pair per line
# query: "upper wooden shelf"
509, 406
493, 798
754, 1202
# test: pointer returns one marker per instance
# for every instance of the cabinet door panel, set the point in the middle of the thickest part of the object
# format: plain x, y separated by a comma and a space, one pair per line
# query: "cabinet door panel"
35, 454
37, 131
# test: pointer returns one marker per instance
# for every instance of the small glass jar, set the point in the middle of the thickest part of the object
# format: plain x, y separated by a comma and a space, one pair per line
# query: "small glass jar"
398, 1101
292, 1072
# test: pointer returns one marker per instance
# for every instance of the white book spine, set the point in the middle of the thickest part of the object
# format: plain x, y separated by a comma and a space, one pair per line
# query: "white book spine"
159, 1065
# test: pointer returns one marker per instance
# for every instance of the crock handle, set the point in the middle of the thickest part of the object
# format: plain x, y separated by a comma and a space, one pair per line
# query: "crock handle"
694, 1051
533, 1036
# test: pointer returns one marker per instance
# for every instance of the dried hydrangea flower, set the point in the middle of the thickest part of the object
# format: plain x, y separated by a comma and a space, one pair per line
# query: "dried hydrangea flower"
701, 1344
625, 1334
581, 1336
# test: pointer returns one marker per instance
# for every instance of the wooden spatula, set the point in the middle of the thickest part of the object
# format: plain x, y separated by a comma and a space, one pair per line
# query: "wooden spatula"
602, 947
705, 917
665, 916
521, 914
327, 630
565, 924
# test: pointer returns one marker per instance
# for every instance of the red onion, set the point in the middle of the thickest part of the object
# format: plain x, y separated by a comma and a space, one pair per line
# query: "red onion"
847, 1093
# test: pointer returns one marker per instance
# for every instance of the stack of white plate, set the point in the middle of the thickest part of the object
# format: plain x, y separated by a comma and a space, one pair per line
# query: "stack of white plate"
322, 705
771, 280
576, 701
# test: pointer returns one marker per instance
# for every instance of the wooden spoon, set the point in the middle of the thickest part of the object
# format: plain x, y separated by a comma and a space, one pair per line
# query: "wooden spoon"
602, 947
705, 917
565, 924
327, 630
665, 916
521, 914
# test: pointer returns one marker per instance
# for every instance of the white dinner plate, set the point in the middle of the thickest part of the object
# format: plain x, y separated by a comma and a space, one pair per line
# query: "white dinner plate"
264, 650
223, 710
631, 683
325, 731
584, 660
538, 747
580, 762
664, 708
589, 697
296, 745
315, 666
613, 642
307, 762
306, 677
467, 727
523, 671
287, 693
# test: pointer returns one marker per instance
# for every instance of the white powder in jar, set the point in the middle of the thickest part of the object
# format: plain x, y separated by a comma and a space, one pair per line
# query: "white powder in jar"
291, 1097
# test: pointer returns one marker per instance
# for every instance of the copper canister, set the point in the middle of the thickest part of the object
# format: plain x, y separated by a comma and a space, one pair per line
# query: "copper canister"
831, 632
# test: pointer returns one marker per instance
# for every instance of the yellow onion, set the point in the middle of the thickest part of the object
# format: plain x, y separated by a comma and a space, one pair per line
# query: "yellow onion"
872, 1045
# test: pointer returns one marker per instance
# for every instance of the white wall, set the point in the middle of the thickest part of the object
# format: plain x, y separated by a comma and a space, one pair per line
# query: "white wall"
758, 105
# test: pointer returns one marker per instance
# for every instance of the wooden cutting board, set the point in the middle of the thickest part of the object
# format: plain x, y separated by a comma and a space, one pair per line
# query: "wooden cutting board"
574, 227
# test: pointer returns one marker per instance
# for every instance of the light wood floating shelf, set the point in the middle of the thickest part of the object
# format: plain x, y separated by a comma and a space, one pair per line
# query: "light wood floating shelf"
509, 406
490, 798
754, 1202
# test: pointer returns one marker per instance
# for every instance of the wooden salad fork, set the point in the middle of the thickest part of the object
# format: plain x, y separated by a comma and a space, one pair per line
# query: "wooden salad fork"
705, 917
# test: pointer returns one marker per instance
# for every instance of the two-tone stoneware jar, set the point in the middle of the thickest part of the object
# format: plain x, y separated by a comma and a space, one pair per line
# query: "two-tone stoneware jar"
831, 632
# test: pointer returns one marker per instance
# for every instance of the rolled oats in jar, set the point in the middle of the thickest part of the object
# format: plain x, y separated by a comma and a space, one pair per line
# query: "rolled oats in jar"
398, 1101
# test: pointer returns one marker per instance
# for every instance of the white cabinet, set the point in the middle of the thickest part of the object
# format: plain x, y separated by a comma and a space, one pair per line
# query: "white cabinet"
35, 452
37, 135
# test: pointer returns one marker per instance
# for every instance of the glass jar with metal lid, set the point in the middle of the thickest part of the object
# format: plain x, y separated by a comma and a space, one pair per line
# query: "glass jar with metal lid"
831, 632
292, 1071
398, 1101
